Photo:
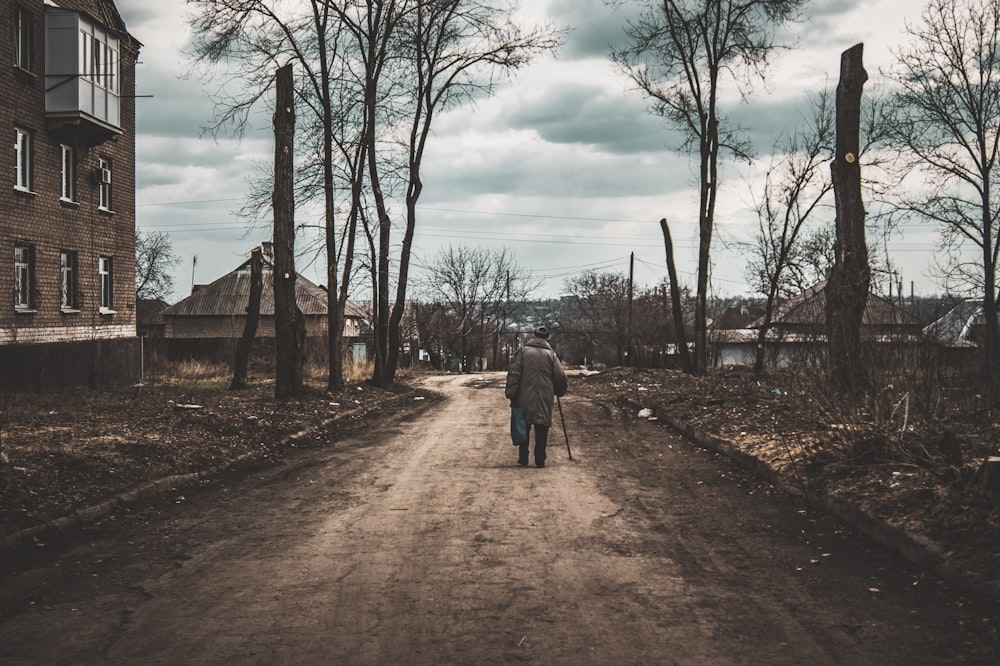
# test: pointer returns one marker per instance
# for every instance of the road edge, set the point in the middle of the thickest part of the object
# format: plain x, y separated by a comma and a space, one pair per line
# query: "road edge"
915, 549
157, 487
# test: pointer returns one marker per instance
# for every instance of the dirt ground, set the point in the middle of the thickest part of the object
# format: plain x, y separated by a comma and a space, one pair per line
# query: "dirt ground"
409, 534
72, 451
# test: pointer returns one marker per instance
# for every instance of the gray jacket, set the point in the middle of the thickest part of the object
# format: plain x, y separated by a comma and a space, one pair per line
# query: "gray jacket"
534, 377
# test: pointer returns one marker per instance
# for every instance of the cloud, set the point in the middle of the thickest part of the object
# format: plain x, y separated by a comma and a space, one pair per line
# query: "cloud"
542, 167
594, 26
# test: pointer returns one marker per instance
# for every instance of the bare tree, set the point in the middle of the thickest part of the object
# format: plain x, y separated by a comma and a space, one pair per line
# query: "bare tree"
947, 125
452, 50
680, 53
473, 287
794, 186
676, 304
247, 40
595, 315
154, 257
375, 72
244, 347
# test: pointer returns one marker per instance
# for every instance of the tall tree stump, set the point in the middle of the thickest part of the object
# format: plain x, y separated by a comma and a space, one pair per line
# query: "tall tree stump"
288, 323
848, 282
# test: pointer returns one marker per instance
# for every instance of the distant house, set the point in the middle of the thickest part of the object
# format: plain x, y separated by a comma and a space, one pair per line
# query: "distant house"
213, 317
149, 317
798, 331
958, 334
962, 325
731, 340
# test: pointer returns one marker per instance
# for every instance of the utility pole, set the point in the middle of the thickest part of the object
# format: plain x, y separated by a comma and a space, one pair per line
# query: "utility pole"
506, 310
628, 321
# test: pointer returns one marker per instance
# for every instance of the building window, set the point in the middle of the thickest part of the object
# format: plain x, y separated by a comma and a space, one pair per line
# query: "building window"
23, 159
24, 277
104, 271
67, 174
23, 39
67, 281
104, 184
99, 58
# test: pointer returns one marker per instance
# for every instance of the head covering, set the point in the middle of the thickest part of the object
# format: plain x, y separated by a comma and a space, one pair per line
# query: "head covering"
542, 332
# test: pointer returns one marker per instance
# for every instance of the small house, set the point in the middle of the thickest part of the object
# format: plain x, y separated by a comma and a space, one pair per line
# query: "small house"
212, 318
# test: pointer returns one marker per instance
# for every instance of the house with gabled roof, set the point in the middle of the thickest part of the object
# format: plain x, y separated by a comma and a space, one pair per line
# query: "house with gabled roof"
213, 317
957, 334
798, 330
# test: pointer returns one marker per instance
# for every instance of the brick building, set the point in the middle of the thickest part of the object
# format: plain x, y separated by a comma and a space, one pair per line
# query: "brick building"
67, 208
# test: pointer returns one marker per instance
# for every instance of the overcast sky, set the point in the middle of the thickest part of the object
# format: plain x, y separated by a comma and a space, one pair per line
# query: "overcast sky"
564, 166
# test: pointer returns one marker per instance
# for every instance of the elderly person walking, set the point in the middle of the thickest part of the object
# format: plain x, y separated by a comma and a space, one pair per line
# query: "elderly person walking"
534, 377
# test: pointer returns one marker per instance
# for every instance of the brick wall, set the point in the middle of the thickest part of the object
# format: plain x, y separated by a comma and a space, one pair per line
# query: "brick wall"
40, 220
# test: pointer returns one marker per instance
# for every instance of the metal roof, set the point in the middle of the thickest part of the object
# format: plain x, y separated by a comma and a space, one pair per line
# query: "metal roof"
809, 309
230, 295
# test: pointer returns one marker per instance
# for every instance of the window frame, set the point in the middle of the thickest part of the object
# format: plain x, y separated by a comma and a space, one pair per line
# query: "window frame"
23, 159
104, 190
100, 54
24, 39
105, 279
67, 173
69, 294
24, 278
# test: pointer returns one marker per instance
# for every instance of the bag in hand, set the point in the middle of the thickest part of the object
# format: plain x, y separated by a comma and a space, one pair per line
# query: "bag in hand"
518, 427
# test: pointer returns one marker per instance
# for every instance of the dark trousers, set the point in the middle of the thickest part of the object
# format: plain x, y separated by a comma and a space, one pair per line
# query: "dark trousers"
541, 441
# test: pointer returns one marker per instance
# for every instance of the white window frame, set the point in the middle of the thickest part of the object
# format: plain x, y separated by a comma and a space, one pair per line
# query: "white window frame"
24, 39
23, 159
104, 189
105, 272
67, 173
23, 278
99, 57
68, 280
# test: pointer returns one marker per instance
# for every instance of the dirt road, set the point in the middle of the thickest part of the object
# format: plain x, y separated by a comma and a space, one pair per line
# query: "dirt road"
420, 541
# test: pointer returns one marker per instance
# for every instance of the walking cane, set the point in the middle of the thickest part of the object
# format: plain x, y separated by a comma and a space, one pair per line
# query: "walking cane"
563, 419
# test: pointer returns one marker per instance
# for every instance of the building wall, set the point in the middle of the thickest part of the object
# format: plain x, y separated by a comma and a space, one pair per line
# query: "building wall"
190, 326
41, 220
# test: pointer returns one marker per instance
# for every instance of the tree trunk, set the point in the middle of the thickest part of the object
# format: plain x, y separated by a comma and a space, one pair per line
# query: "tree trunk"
991, 329
675, 301
848, 283
245, 346
289, 326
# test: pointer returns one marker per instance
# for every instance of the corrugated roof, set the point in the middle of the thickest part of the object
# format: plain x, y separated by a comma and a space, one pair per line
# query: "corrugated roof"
809, 309
958, 323
230, 295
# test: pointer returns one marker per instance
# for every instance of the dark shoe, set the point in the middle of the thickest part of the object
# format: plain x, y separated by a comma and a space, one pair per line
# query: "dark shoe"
522, 464
538, 465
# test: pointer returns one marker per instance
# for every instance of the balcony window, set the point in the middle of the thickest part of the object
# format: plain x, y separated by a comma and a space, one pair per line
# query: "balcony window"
99, 58
82, 76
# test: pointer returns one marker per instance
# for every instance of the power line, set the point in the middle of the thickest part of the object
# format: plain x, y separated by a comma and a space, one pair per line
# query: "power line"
186, 203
